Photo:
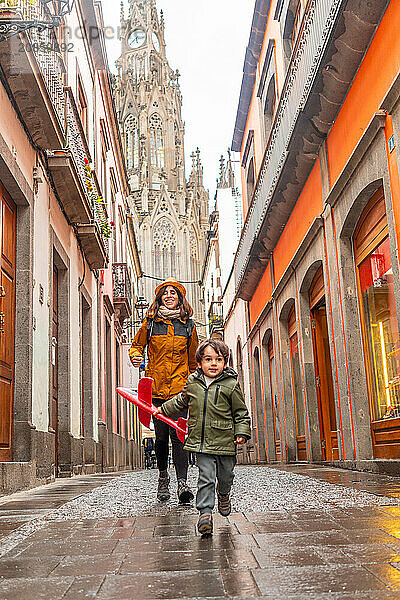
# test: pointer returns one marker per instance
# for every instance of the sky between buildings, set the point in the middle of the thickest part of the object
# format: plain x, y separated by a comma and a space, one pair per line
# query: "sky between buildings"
206, 40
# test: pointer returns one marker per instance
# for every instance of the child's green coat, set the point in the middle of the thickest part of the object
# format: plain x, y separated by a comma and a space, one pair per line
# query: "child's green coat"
217, 414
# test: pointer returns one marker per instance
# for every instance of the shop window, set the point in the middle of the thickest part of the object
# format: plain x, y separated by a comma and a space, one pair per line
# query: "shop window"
378, 308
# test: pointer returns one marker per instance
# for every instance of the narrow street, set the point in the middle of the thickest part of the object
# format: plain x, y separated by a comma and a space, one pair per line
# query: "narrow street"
296, 532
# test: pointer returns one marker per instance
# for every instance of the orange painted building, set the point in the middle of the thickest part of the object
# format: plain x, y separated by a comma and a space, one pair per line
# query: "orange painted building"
317, 129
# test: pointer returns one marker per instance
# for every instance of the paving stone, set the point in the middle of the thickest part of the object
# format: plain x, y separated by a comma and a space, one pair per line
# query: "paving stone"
89, 565
84, 588
331, 538
286, 557
240, 582
148, 586
370, 553
318, 579
175, 561
50, 588
243, 541
241, 558
173, 530
27, 567
389, 574
89, 548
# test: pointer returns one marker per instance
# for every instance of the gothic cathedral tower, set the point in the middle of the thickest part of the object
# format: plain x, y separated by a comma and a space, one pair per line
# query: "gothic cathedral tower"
171, 213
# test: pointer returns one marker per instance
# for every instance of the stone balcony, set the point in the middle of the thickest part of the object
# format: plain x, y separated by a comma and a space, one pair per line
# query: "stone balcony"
33, 69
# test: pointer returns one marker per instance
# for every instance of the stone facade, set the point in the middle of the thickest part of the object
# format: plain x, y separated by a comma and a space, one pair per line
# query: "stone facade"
171, 213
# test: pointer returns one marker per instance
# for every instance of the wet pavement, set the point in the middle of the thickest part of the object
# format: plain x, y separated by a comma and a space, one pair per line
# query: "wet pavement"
331, 552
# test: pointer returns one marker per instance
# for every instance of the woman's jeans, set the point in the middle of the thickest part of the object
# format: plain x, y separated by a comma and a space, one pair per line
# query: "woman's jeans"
179, 455
213, 467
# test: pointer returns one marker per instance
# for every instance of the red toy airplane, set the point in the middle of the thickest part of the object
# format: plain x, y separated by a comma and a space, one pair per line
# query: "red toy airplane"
143, 400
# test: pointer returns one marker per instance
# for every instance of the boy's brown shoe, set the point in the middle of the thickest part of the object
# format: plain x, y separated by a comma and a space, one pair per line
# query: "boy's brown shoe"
224, 505
205, 524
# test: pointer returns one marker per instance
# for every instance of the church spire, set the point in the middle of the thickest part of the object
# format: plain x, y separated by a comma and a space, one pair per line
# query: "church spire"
172, 214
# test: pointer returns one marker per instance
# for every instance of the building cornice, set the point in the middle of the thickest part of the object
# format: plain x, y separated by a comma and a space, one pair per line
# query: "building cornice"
253, 52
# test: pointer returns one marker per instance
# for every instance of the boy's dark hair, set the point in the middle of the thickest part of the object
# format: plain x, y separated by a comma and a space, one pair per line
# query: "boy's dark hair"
217, 345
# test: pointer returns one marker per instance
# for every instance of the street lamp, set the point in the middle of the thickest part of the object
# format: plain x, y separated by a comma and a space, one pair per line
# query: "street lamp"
17, 16
141, 306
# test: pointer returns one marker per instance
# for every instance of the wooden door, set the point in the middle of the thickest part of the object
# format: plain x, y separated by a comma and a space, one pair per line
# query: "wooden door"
324, 383
7, 322
54, 362
297, 387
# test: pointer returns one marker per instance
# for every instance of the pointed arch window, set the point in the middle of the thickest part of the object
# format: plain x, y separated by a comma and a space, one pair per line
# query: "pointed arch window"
132, 142
164, 238
156, 142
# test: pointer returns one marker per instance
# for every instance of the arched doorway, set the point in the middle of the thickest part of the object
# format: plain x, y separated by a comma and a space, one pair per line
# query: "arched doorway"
323, 369
259, 408
297, 388
379, 326
274, 400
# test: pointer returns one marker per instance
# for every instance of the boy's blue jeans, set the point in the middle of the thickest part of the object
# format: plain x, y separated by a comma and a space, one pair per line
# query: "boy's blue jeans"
212, 468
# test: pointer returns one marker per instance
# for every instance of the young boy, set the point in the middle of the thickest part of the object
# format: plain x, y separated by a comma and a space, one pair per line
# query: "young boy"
218, 421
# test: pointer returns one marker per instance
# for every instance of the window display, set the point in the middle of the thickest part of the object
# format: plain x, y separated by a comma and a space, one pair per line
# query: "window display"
381, 331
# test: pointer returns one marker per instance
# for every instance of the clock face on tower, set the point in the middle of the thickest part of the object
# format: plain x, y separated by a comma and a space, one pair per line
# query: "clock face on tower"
137, 38
156, 43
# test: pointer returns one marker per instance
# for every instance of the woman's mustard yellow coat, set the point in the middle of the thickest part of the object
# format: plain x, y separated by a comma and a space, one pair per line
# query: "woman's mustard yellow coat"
171, 353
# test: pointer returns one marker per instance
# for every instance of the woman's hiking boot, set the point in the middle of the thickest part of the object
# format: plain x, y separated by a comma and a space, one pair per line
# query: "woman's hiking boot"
224, 504
205, 524
185, 494
163, 488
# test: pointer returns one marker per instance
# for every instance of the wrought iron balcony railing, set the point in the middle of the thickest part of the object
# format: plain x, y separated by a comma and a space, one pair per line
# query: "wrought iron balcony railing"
122, 282
319, 22
215, 317
43, 46
76, 143
122, 294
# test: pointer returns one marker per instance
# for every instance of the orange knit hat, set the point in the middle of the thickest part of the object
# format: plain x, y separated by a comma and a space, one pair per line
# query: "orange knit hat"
174, 283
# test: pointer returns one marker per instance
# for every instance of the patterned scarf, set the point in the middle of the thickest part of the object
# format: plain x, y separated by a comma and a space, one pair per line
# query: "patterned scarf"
166, 313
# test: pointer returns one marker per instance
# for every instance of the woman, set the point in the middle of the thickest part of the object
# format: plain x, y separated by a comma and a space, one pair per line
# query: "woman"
171, 339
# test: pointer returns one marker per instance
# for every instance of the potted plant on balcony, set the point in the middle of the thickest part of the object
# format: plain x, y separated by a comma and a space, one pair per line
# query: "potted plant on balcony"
10, 9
